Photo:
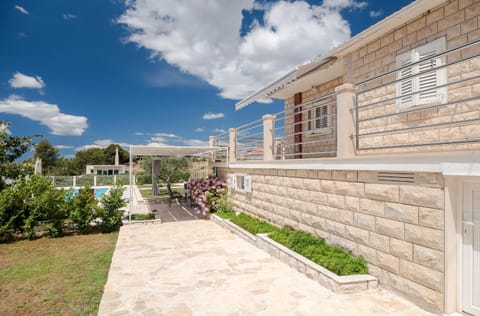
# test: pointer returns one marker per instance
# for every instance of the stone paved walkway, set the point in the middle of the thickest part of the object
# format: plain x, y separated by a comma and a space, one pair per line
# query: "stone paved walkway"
198, 268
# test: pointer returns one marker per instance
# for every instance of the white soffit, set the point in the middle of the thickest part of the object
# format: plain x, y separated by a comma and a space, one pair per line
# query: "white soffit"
292, 79
170, 150
310, 80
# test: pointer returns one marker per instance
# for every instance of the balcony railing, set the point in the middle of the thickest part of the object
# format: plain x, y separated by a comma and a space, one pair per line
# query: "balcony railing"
442, 113
250, 141
381, 124
307, 130
222, 140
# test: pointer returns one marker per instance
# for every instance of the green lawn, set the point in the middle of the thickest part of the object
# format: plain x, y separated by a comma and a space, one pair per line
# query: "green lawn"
61, 276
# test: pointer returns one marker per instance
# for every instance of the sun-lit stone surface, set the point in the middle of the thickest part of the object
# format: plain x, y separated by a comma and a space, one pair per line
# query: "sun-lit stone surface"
198, 268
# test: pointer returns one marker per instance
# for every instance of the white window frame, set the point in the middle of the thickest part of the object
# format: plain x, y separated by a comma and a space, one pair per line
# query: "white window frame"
414, 84
241, 182
315, 115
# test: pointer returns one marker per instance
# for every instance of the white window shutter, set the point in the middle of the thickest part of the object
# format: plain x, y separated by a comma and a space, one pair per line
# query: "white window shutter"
431, 79
231, 181
325, 116
405, 88
248, 183
309, 120
421, 88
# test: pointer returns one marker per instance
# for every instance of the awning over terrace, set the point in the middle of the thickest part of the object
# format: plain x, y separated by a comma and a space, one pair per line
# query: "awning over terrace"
152, 151
158, 151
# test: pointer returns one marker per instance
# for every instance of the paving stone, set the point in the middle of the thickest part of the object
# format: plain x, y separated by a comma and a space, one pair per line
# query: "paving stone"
199, 268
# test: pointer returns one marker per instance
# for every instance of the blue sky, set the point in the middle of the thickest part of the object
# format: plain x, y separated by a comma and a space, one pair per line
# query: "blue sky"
89, 73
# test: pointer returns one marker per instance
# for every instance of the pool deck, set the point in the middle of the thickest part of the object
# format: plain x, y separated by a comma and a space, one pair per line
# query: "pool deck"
195, 267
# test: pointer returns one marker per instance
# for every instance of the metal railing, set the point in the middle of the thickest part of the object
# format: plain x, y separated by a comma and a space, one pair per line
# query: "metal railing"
221, 140
91, 180
381, 122
250, 141
307, 130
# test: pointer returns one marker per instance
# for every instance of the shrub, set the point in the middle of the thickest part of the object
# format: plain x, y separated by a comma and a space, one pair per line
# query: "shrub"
224, 204
206, 193
253, 225
83, 209
30, 203
333, 258
142, 217
110, 214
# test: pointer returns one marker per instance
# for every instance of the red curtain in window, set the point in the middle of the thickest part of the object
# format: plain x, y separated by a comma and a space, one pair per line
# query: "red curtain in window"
297, 138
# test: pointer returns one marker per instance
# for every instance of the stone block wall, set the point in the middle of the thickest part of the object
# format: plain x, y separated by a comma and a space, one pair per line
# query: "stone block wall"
457, 21
397, 228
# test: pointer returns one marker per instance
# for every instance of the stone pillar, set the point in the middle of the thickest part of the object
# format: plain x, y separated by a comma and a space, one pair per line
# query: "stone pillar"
232, 154
95, 181
74, 181
212, 142
114, 180
268, 136
345, 120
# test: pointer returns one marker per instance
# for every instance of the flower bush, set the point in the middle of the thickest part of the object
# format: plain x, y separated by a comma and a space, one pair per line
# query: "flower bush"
206, 193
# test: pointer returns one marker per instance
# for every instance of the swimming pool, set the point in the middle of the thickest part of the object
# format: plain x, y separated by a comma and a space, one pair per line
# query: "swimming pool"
98, 192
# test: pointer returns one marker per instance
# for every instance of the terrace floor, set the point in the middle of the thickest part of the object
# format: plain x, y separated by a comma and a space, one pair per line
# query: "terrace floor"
196, 267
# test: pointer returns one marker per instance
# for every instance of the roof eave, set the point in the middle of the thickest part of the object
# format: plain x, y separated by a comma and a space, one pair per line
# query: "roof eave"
389, 23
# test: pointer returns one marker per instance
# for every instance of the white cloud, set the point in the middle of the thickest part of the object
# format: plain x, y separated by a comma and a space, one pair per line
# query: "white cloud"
375, 13
199, 130
219, 131
21, 9
170, 135
344, 4
20, 80
139, 133
45, 113
195, 142
169, 139
212, 116
203, 38
69, 16
101, 143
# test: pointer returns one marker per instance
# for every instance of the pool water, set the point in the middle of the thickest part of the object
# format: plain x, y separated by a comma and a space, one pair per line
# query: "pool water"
99, 192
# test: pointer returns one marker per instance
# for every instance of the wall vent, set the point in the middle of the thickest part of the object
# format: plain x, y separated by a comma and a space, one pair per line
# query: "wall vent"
396, 177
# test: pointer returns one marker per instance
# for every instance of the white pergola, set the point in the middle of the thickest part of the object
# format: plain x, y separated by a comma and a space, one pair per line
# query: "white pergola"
159, 151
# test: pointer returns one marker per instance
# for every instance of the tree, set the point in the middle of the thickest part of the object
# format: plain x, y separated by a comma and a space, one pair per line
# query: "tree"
99, 156
172, 169
12, 148
109, 153
45, 151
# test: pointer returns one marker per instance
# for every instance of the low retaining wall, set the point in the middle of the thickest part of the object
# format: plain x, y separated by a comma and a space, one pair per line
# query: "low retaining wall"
335, 283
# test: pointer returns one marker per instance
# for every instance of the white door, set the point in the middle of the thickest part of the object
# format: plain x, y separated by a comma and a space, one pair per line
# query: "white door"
471, 248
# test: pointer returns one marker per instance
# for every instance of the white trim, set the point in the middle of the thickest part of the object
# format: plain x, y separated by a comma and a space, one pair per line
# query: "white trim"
246, 178
448, 164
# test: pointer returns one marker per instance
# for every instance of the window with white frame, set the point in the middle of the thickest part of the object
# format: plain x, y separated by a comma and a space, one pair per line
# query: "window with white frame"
240, 182
318, 119
421, 80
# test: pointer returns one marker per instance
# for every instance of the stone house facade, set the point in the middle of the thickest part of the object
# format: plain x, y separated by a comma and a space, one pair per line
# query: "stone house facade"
390, 169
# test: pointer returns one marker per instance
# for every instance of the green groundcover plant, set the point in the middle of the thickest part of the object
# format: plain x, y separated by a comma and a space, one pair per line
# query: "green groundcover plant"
335, 259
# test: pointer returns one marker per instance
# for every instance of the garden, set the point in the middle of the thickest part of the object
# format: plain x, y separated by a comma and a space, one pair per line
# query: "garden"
32, 207
210, 196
